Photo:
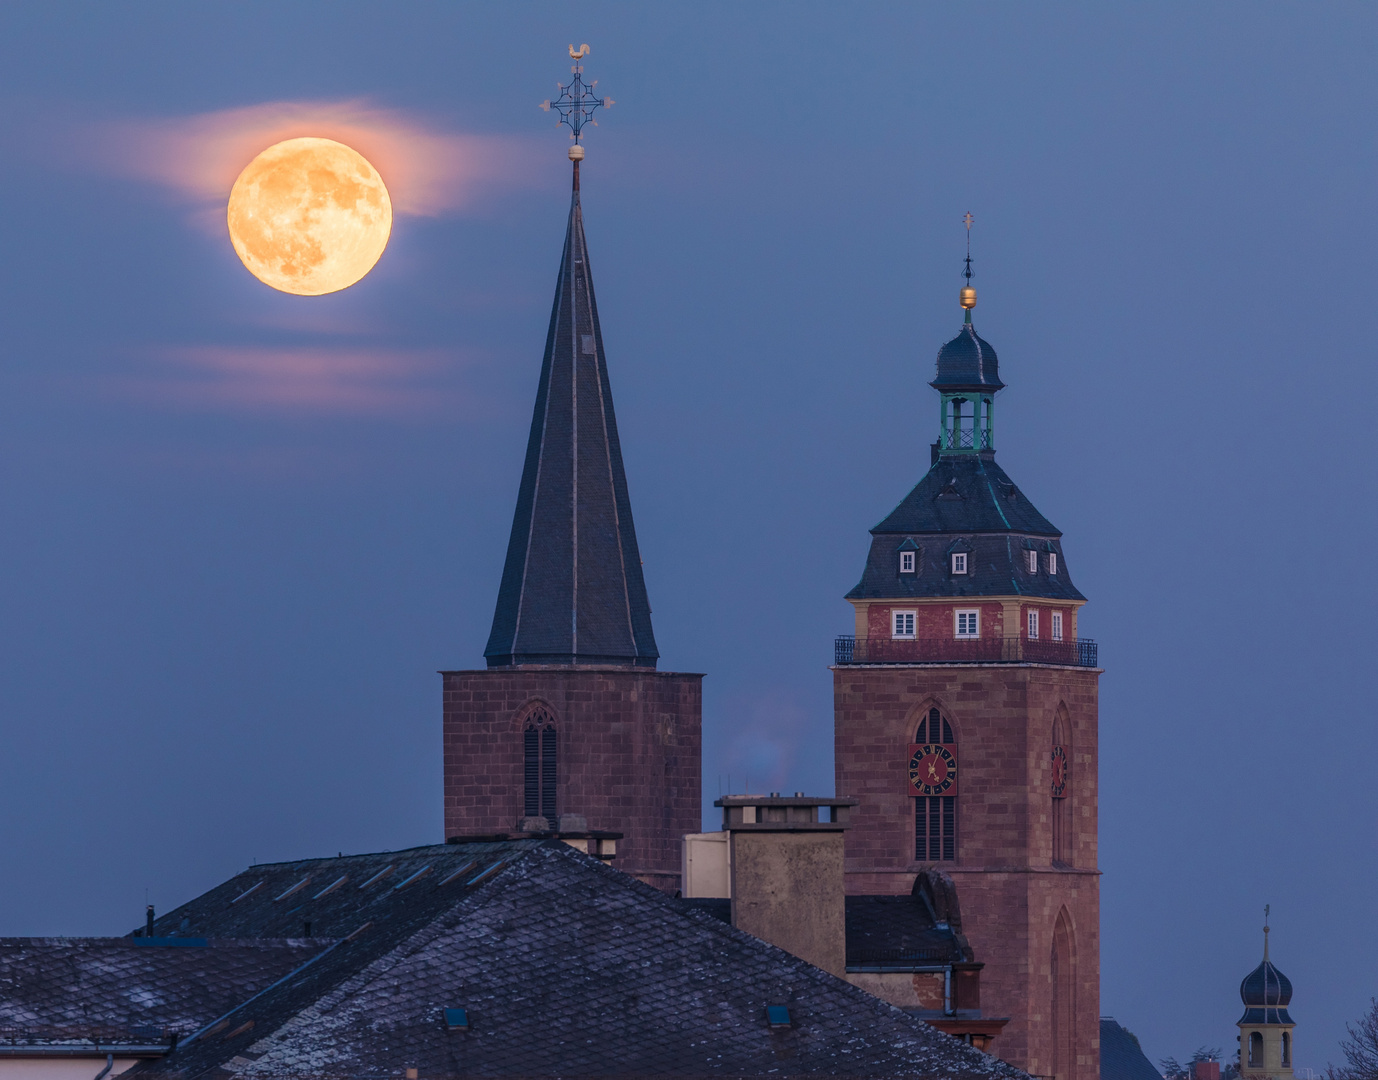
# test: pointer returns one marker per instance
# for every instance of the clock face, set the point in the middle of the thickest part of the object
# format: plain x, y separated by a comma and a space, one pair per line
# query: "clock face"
1059, 773
932, 769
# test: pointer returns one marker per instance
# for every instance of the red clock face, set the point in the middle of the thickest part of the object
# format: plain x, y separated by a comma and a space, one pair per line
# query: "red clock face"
1059, 773
932, 770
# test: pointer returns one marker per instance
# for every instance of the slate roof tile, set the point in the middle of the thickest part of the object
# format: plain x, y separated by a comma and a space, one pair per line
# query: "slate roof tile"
567, 968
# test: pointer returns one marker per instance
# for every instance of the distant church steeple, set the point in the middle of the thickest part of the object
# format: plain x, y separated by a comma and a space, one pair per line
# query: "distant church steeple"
572, 590
1265, 1029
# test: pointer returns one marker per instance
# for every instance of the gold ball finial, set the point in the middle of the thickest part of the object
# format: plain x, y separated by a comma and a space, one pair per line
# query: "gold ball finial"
576, 153
967, 297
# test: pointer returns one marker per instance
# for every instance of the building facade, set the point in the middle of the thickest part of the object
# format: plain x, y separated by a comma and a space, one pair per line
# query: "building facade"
966, 724
570, 719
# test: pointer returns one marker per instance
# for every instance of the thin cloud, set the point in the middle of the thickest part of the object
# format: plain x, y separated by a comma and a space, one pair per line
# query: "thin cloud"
324, 381
428, 171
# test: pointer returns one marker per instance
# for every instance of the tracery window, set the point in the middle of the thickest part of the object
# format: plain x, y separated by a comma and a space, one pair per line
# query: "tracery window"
540, 766
935, 816
1060, 792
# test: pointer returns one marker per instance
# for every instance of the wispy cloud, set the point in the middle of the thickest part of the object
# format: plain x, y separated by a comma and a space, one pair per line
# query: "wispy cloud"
428, 170
327, 381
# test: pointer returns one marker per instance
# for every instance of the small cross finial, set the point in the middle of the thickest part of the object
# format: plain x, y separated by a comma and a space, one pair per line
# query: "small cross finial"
967, 220
1267, 908
577, 101
968, 294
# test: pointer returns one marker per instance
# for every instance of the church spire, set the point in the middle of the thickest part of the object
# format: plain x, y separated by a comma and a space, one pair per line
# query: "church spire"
572, 590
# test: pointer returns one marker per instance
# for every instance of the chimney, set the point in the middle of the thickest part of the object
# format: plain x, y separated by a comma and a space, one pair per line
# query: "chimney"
779, 860
148, 921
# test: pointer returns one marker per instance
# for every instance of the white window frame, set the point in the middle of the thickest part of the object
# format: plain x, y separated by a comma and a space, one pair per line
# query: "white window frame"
970, 618
959, 562
1031, 623
1057, 626
906, 562
902, 624
1052, 564
1031, 561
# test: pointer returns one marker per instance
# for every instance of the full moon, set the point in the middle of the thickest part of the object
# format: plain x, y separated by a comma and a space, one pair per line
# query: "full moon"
309, 216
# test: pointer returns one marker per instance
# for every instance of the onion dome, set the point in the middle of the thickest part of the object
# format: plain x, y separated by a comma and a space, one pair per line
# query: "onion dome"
1266, 993
967, 363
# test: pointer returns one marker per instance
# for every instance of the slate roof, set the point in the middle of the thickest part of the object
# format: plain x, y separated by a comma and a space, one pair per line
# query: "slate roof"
111, 992
965, 502
566, 967
899, 932
572, 590
967, 363
1266, 993
1121, 1056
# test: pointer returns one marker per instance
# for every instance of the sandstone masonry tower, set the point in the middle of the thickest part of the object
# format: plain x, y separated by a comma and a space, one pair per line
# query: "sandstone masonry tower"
571, 720
966, 724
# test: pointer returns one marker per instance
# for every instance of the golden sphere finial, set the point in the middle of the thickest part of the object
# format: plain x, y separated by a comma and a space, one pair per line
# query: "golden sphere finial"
967, 297
576, 153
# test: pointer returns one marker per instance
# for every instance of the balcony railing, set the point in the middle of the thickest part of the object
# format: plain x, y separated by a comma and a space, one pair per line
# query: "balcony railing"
1071, 652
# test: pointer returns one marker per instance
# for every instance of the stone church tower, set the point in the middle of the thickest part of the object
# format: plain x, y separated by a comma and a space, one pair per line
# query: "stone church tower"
571, 720
1265, 1029
966, 723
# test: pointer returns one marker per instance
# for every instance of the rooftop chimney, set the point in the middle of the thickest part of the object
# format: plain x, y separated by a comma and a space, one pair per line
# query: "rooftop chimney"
779, 860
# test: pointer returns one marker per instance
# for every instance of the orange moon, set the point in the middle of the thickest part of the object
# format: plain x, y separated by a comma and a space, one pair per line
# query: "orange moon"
309, 216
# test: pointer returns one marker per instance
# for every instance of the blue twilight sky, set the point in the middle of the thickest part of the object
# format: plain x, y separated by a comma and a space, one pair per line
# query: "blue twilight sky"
240, 531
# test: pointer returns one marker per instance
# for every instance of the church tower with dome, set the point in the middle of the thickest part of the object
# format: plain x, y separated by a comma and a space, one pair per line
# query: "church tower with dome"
966, 716
1265, 1029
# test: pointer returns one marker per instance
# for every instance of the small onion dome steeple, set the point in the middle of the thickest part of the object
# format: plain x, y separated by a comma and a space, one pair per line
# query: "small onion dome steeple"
968, 362
1266, 992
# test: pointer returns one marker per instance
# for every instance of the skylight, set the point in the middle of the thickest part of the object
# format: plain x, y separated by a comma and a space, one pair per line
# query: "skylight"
454, 874
457, 1018
778, 1016
332, 886
294, 889
378, 876
247, 892
408, 880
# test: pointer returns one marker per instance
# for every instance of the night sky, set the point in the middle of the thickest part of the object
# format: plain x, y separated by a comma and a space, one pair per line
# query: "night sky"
240, 531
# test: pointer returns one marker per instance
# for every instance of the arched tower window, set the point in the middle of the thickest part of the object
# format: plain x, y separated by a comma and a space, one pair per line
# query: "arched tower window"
1062, 970
540, 771
1255, 1048
935, 816
1060, 791
1287, 1049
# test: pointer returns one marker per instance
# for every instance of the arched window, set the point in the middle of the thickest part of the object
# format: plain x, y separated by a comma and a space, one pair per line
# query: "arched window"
538, 738
1060, 791
1287, 1049
935, 816
1062, 970
1255, 1048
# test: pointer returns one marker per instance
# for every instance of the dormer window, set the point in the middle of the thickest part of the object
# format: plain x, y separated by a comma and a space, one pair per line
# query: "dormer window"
906, 562
1052, 564
1031, 561
959, 562
903, 624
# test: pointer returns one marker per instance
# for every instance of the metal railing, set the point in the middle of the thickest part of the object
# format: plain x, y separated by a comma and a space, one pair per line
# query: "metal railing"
1070, 652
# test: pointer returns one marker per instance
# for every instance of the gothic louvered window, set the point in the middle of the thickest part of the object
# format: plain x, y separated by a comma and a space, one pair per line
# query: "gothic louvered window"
1061, 792
935, 816
538, 744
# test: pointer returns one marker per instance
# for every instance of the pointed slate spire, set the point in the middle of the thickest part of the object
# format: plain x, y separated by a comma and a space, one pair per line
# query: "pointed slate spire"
572, 590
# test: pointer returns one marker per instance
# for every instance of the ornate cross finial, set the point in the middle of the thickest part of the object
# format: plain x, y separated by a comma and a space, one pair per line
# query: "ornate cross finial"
967, 220
577, 102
